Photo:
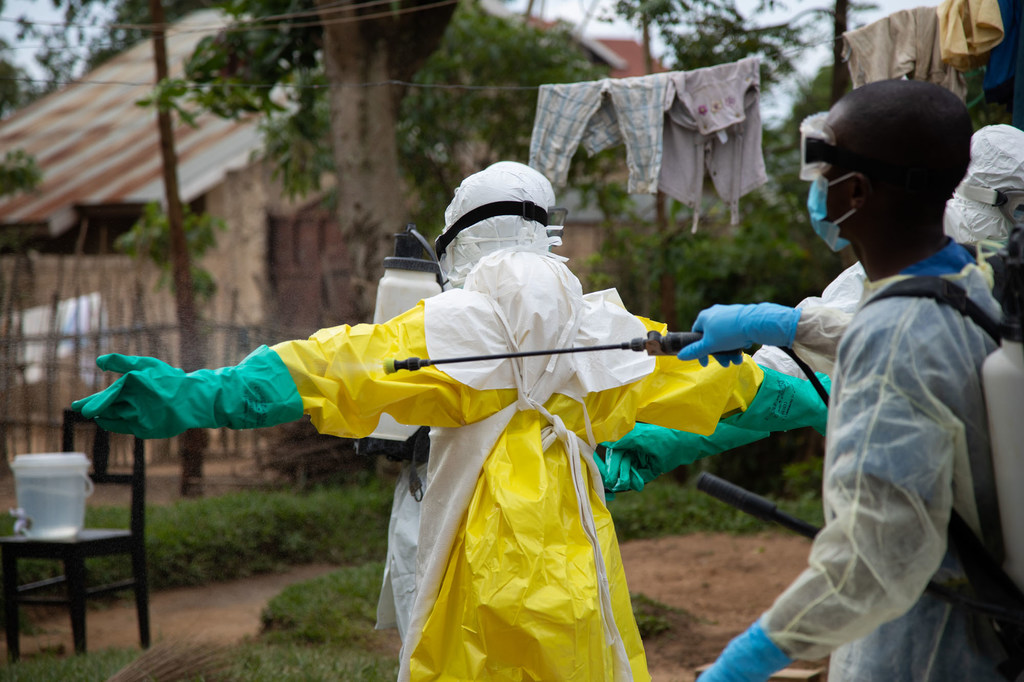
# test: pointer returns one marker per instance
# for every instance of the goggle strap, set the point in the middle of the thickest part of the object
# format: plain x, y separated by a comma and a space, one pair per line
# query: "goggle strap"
525, 209
983, 195
911, 179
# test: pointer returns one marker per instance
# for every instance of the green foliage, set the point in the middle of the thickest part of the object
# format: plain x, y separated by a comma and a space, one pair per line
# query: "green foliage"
167, 97
16, 88
455, 129
233, 70
18, 173
803, 477
702, 33
339, 607
236, 66
150, 238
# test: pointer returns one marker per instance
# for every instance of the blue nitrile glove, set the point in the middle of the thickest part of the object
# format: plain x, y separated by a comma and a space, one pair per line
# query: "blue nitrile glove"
155, 400
749, 657
734, 327
782, 403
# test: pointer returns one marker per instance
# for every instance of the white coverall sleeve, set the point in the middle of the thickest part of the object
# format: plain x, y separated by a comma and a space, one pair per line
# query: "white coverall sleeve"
817, 336
892, 447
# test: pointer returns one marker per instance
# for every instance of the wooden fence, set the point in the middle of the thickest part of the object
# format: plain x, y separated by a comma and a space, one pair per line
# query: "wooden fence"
58, 313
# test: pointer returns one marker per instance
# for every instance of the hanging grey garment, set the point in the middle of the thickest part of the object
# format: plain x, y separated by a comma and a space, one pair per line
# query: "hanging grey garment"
905, 43
907, 442
601, 114
713, 123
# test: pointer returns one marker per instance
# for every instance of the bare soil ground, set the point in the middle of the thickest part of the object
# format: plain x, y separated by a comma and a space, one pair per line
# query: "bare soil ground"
715, 584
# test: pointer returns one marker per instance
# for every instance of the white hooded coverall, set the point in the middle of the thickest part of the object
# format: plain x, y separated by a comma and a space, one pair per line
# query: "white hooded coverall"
519, 575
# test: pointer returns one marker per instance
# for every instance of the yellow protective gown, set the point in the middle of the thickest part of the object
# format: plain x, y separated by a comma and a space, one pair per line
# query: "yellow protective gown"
519, 568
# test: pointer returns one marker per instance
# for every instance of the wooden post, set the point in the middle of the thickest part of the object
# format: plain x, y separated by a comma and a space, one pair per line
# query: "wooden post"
840, 74
193, 441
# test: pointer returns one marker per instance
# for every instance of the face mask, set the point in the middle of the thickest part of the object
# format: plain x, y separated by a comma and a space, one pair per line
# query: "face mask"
817, 206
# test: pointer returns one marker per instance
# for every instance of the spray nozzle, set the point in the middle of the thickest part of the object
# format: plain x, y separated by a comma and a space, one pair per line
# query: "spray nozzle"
412, 364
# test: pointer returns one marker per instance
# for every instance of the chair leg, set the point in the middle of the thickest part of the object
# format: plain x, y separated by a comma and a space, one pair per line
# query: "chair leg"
12, 626
141, 594
74, 569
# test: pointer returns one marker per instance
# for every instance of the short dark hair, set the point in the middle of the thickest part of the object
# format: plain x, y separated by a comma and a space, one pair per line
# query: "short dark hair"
908, 123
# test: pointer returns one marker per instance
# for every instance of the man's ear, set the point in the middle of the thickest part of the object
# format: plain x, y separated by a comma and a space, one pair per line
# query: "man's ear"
859, 190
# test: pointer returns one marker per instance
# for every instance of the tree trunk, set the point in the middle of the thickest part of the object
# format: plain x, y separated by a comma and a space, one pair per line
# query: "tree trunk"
193, 442
362, 59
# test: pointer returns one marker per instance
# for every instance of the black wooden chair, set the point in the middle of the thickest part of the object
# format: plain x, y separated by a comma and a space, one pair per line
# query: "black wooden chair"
89, 542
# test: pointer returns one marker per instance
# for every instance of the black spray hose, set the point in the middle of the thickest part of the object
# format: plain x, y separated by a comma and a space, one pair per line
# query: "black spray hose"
759, 507
655, 344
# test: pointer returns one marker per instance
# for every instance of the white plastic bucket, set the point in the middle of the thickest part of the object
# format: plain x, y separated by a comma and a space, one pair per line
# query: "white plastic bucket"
51, 488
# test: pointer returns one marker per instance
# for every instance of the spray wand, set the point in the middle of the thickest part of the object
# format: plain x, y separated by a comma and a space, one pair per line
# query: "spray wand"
654, 343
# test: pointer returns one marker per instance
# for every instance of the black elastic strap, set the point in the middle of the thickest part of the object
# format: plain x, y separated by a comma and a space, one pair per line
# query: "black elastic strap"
943, 291
525, 209
909, 178
806, 369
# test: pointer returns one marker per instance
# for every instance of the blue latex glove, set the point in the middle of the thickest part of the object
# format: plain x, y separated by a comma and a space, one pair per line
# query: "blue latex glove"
731, 327
750, 657
155, 400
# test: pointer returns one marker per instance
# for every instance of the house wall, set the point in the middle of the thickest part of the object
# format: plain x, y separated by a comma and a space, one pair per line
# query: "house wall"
239, 261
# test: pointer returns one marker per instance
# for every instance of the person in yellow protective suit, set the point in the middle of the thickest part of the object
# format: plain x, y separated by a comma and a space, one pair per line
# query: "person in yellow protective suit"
519, 575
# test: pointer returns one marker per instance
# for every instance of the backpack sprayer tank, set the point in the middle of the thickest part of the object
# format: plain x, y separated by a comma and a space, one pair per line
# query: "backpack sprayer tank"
408, 279
1002, 377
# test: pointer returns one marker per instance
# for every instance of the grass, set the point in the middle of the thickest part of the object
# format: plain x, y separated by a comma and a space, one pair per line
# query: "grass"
320, 629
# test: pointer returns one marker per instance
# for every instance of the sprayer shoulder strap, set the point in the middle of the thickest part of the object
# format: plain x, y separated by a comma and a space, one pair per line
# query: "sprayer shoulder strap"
943, 291
987, 579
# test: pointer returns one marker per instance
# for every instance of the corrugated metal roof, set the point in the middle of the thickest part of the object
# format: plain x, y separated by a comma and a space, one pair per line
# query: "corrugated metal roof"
95, 146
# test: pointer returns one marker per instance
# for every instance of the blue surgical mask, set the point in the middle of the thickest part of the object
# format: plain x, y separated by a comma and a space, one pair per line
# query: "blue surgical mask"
817, 206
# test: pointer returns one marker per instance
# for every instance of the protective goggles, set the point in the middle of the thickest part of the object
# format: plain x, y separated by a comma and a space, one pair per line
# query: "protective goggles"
819, 152
553, 218
1010, 202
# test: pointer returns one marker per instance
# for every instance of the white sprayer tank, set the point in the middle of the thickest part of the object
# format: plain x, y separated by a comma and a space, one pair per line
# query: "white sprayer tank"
51, 489
1003, 380
407, 280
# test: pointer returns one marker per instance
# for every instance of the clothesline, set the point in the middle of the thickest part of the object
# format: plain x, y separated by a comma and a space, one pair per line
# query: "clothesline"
441, 86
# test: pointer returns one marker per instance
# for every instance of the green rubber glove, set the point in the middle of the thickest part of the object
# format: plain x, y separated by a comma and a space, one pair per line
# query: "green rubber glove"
648, 451
155, 400
782, 403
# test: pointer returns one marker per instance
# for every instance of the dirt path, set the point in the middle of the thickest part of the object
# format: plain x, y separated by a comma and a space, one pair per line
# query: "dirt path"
223, 613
